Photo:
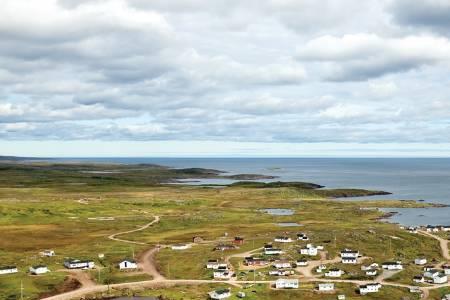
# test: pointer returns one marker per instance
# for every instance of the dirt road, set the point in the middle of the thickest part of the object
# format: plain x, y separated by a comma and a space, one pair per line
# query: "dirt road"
114, 236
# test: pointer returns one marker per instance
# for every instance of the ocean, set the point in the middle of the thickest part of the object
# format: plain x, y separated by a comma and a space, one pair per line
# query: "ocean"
425, 179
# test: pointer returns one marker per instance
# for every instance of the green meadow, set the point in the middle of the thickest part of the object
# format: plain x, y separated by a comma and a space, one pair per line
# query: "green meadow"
73, 208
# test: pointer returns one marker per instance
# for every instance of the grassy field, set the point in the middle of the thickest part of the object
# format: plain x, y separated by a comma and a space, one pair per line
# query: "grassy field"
63, 207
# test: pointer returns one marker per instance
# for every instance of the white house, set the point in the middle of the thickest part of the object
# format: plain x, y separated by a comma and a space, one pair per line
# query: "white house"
180, 247
38, 270
286, 284
79, 264
431, 273
412, 229
370, 267
371, 272
446, 269
283, 239
8, 270
282, 264
222, 274
439, 279
215, 264
369, 288
420, 261
397, 265
348, 253
419, 279
341, 297
311, 251
349, 260
281, 272
302, 237
272, 251
431, 228
334, 273
48, 253
128, 264
445, 228
325, 287
302, 262
220, 294
446, 297
321, 268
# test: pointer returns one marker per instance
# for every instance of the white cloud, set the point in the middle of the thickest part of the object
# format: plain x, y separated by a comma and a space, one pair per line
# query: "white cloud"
271, 71
363, 56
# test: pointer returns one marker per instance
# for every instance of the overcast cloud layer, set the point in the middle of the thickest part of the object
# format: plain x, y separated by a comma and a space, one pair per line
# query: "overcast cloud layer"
302, 71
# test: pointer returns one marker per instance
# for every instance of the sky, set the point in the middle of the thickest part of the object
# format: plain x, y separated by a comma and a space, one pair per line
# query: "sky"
225, 78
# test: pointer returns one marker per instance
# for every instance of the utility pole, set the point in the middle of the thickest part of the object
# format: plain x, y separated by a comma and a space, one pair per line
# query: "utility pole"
21, 290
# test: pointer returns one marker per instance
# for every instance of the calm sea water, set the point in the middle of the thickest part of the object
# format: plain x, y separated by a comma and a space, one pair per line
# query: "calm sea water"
407, 178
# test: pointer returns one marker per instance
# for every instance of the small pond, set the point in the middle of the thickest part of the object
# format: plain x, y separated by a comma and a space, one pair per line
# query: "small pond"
288, 224
278, 211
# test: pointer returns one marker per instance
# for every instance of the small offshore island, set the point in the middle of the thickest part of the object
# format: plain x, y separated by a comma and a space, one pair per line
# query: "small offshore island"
100, 231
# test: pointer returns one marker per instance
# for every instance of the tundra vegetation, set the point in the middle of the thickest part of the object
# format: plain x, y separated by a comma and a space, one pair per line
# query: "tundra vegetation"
72, 208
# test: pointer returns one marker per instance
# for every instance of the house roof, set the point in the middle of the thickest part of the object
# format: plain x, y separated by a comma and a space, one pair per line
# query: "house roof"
39, 266
8, 267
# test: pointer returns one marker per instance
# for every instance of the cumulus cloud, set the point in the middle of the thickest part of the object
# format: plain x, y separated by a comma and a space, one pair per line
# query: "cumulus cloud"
432, 15
364, 56
227, 70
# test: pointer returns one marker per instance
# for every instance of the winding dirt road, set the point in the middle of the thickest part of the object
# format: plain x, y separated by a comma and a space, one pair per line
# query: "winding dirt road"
114, 236
443, 243
148, 264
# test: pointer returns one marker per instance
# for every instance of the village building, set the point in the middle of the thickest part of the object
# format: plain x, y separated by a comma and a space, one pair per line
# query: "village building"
412, 229
79, 264
325, 287
38, 270
216, 264
371, 272
392, 266
341, 297
321, 268
282, 264
180, 247
281, 272
128, 264
348, 253
431, 273
439, 279
311, 251
222, 274
419, 279
224, 247
283, 239
8, 270
238, 240
197, 239
286, 284
372, 266
302, 262
240, 295
334, 273
47, 253
446, 269
349, 260
302, 237
220, 294
420, 261
431, 228
255, 261
369, 288
446, 297
445, 228
272, 251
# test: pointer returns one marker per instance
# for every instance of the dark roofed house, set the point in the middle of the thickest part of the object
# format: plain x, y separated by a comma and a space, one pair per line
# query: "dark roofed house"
238, 240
